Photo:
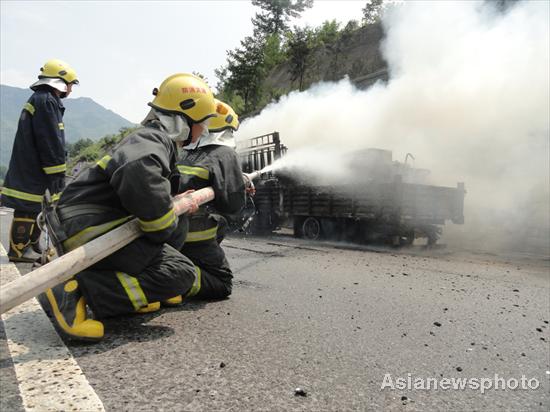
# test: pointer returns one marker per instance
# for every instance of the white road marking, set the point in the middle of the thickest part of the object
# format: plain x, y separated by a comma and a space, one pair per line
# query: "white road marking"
49, 377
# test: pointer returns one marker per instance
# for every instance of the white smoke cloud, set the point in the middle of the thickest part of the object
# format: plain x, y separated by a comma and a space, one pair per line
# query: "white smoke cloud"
468, 95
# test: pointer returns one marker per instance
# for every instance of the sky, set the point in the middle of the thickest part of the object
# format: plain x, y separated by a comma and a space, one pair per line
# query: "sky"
121, 50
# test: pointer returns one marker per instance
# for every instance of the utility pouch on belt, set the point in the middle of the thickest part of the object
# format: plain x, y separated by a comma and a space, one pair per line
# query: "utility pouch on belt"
50, 218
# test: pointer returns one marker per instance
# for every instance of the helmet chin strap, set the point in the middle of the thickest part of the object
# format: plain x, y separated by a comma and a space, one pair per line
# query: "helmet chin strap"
187, 141
189, 144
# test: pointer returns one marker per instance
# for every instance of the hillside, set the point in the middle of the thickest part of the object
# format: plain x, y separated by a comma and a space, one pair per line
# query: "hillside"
355, 54
84, 118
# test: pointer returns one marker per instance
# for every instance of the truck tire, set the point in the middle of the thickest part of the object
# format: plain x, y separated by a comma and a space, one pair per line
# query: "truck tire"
298, 221
311, 228
408, 238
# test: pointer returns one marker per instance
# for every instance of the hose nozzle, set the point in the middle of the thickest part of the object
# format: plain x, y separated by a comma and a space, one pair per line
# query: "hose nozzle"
252, 175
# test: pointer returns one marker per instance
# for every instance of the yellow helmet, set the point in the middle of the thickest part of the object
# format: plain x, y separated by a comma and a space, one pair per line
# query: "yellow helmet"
226, 118
186, 94
57, 69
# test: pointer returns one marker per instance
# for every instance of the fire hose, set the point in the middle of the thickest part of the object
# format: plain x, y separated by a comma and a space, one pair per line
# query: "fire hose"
66, 266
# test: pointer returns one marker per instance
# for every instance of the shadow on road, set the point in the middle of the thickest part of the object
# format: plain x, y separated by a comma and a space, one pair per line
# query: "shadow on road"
123, 330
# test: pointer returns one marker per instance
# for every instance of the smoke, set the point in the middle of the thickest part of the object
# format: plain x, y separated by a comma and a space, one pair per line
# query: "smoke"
468, 96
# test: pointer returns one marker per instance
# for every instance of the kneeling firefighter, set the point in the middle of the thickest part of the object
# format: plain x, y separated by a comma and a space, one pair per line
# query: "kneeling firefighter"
37, 161
212, 161
137, 179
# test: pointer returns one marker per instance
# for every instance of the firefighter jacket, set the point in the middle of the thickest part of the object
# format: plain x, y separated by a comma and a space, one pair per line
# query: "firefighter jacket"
38, 158
136, 179
216, 166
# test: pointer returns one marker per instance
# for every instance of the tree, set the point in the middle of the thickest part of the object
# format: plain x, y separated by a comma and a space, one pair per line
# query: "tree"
273, 54
327, 33
245, 69
372, 11
276, 15
299, 47
240, 80
75, 148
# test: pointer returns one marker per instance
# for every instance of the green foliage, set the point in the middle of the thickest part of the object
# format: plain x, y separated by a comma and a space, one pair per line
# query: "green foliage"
372, 11
276, 14
348, 30
245, 71
299, 46
328, 33
82, 151
240, 80
78, 146
273, 52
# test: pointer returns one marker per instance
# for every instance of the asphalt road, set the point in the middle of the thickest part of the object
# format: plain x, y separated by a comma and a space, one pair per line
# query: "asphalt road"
335, 320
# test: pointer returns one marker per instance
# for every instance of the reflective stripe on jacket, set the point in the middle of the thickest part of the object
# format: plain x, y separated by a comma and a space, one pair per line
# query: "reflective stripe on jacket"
217, 166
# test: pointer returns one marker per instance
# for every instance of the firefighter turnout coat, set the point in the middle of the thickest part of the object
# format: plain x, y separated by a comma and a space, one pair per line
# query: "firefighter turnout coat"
216, 166
137, 179
38, 158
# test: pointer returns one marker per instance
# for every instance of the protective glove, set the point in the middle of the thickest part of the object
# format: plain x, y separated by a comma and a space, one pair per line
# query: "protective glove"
249, 187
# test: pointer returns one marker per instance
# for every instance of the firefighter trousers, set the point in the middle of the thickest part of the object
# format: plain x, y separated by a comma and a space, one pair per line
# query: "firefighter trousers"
138, 274
216, 277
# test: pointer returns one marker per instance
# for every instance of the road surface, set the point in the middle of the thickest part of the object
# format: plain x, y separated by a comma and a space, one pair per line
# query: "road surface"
339, 322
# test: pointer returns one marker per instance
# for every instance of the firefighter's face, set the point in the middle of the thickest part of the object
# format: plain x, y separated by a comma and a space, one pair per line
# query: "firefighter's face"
197, 130
69, 89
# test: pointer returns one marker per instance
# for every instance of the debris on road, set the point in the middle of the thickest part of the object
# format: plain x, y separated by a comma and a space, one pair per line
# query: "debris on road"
300, 392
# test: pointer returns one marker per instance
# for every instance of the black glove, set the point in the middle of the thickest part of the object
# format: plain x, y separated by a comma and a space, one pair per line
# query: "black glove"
174, 180
56, 183
177, 238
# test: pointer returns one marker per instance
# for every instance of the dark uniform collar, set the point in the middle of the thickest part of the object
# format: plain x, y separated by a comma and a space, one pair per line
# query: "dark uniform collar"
51, 92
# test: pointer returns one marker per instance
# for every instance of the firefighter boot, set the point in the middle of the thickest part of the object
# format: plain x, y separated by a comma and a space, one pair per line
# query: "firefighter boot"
151, 307
35, 239
175, 301
68, 308
20, 240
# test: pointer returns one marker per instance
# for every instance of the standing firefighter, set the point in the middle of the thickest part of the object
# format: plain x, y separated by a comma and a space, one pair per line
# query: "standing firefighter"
212, 161
138, 180
38, 158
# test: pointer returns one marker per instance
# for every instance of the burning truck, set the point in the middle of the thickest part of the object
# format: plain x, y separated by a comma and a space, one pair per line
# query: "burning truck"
387, 201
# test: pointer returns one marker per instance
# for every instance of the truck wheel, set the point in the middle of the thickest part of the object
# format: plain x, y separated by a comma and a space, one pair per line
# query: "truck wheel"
408, 239
297, 226
311, 228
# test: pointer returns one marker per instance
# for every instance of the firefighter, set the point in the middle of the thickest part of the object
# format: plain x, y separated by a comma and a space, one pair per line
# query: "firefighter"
137, 179
212, 161
38, 158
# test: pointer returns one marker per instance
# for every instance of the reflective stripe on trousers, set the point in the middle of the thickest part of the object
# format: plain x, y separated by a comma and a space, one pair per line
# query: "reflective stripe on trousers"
133, 290
202, 235
196, 284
